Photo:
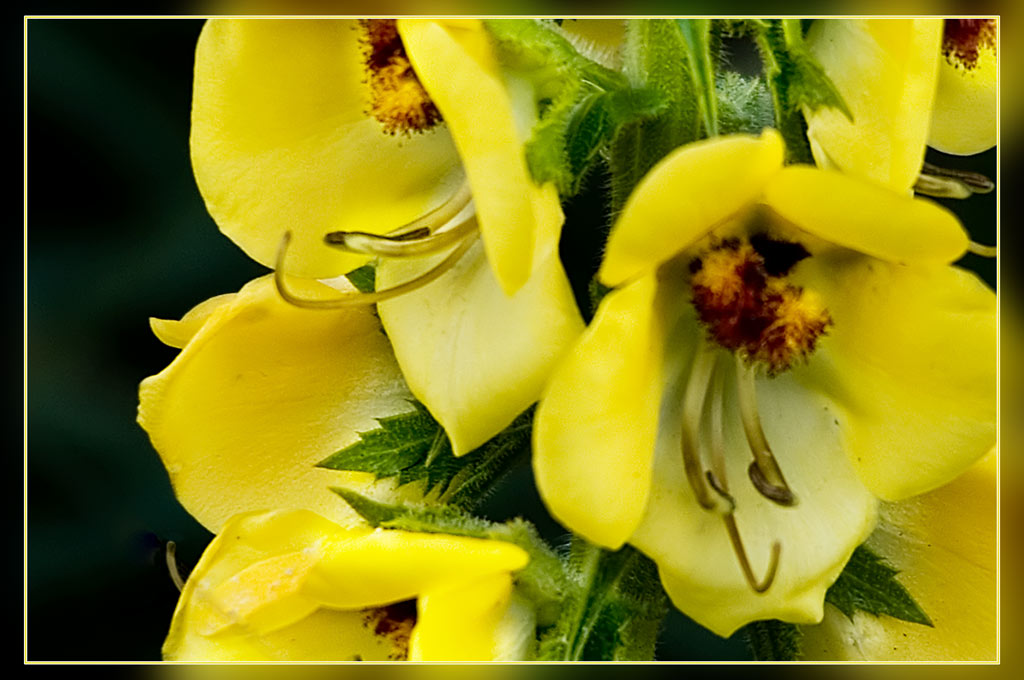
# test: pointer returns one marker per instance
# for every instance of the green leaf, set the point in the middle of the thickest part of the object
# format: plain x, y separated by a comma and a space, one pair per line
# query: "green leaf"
613, 612
773, 640
869, 584
364, 278
413, 446
696, 36
654, 58
543, 580
796, 80
744, 104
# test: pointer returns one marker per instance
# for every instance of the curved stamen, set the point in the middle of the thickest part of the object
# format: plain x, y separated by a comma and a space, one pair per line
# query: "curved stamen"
983, 250
364, 298
741, 555
693, 408
978, 183
718, 432
409, 244
768, 477
414, 238
172, 565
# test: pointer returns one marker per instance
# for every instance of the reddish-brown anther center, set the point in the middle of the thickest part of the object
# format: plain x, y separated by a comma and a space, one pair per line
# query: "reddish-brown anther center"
964, 39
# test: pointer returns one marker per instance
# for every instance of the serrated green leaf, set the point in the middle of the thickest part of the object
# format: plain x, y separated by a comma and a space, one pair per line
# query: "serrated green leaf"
413, 446
364, 278
543, 580
773, 640
744, 104
869, 584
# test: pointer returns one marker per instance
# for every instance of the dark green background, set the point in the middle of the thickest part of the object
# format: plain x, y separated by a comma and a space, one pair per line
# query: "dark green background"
118, 233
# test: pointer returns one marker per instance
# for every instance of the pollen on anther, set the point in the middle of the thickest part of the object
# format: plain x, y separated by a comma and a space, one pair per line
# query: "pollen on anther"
398, 101
964, 39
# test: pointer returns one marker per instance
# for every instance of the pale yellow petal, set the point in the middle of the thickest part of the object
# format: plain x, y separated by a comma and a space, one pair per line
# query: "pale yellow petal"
460, 623
866, 217
911, 365
944, 544
263, 392
595, 428
886, 71
686, 194
474, 356
489, 124
833, 513
964, 115
280, 142
178, 333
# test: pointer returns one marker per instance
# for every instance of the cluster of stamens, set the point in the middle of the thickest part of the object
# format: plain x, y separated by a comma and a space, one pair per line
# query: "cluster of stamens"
397, 98
394, 622
750, 308
964, 39
742, 296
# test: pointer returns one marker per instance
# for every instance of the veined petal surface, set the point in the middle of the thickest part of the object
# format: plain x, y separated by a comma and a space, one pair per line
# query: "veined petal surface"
261, 393
281, 142
911, 365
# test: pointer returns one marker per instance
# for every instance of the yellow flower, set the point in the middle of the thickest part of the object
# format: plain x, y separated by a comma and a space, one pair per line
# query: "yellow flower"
339, 132
944, 544
796, 317
293, 586
261, 392
908, 83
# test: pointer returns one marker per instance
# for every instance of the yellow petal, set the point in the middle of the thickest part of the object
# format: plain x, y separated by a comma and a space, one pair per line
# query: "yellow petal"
390, 566
489, 122
595, 428
242, 601
460, 623
684, 196
475, 357
178, 333
280, 142
865, 217
911, 364
886, 71
944, 544
833, 514
964, 115
263, 392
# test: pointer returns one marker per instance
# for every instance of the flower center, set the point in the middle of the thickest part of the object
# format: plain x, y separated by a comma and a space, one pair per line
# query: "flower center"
397, 98
748, 306
394, 622
964, 39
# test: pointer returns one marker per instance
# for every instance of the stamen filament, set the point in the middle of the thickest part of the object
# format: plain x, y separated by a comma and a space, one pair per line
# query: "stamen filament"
172, 565
983, 250
979, 183
741, 555
693, 408
364, 298
419, 237
765, 473
718, 431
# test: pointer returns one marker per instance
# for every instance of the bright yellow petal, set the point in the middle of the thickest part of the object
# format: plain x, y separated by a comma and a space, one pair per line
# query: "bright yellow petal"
833, 514
595, 428
460, 623
944, 544
911, 364
964, 115
489, 123
263, 392
391, 566
177, 334
280, 142
866, 217
685, 195
886, 71
475, 357
243, 601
